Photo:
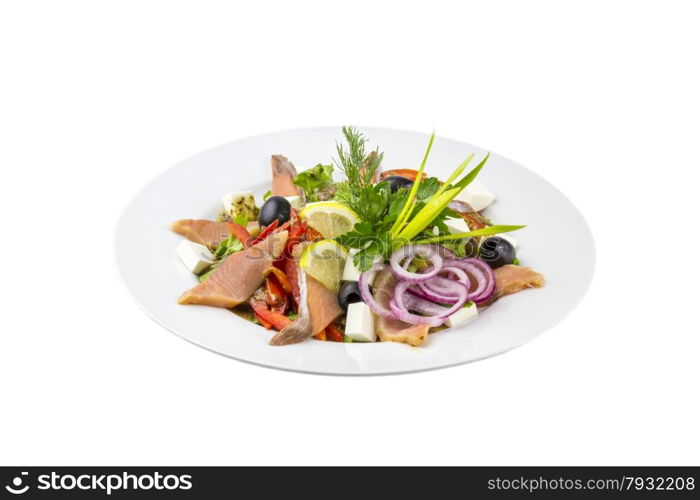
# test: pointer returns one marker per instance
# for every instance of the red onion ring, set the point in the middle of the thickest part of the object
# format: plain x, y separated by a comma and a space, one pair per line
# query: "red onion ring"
409, 252
429, 294
367, 297
400, 309
485, 280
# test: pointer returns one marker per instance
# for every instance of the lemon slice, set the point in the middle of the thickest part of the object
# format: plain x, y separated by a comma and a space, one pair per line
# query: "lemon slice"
330, 218
324, 260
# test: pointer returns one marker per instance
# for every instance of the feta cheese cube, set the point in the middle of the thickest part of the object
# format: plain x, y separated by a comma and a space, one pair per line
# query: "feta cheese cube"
477, 195
359, 325
239, 203
194, 256
457, 225
463, 316
350, 272
294, 201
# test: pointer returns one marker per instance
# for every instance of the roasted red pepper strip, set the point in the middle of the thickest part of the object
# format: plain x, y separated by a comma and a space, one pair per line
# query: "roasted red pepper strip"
275, 296
241, 233
297, 234
277, 320
262, 321
313, 235
408, 173
281, 278
334, 333
266, 232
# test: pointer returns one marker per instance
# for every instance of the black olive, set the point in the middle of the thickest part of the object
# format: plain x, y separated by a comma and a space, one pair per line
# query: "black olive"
349, 293
276, 207
497, 252
397, 182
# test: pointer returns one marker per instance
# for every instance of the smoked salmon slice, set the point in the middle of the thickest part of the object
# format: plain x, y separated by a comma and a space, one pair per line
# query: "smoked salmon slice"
318, 307
511, 279
392, 329
283, 174
202, 231
238, 276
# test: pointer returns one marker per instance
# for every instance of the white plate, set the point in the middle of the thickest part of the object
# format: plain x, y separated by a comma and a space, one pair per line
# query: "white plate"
557, 242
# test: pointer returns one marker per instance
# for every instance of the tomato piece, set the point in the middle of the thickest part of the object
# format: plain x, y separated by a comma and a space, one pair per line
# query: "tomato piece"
334, 333
276, 319
241, 234
320, 335
408, 173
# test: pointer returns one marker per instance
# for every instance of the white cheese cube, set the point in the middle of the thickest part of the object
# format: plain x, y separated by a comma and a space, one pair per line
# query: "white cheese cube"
239, 203
350, 272
463, 316
457, 225
294, 201
359, 325
477, 195
194, 256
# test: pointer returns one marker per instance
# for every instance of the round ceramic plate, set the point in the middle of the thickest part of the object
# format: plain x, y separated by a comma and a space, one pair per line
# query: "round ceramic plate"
556, 242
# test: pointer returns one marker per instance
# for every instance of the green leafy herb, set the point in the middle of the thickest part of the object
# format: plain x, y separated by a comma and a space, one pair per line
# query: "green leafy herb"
241, 220
359, 168
467, 179
391, 220
267, 195
434, 207
458, 171
487, 231
227, 247
314, 180
408, 206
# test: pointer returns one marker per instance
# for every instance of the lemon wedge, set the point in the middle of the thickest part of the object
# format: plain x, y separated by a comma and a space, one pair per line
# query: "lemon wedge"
324, 260
330, 218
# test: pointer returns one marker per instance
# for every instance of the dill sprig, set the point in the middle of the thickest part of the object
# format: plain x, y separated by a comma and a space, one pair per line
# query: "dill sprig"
359, 169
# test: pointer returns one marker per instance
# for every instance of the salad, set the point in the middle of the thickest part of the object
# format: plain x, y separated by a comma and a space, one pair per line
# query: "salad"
347, 252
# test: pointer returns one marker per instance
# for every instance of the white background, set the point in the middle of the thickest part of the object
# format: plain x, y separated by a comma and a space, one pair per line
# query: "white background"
601, 98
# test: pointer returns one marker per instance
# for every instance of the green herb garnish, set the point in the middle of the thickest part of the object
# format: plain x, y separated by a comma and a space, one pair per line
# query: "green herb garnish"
267, 195
391, 220
487, 231
408, 206
314, 180
435, 206
227, 247
359, 168
241, 220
